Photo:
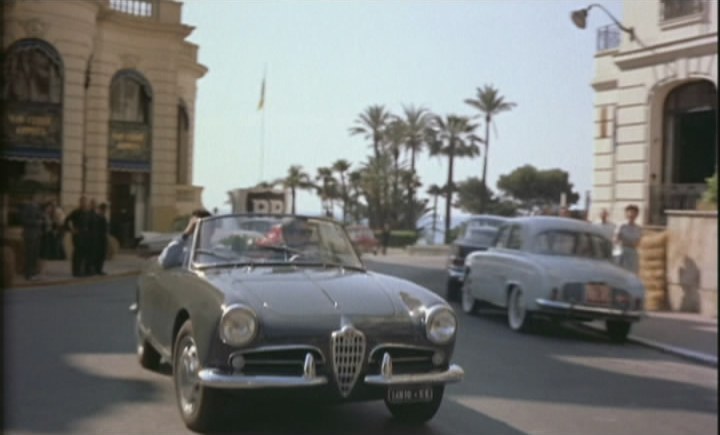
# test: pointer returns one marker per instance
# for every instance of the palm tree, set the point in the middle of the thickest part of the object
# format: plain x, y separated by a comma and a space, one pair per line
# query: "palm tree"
375, 186
295, 179
417, 120
452, 137
395, 135
490, 104
341, 167
371, 124
326, 188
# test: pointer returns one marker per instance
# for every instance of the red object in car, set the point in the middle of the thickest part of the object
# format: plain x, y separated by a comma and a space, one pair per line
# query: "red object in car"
273, 237
364, 238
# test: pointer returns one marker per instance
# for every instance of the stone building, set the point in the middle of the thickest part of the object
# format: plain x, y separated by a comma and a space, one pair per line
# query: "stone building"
99, 100
656, 108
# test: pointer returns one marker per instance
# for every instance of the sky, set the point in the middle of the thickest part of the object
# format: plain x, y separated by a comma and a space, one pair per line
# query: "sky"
326, 61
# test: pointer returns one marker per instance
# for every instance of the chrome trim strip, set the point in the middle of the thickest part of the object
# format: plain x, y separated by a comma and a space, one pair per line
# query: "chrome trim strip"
279, 347
399, 346
545, 303
457, 274
454, 373
217, 379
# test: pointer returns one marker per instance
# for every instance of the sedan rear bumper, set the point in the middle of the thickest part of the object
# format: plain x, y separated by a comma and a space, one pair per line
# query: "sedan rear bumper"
560, 307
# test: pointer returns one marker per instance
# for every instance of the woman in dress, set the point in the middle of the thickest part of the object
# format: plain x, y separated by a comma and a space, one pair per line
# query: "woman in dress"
628, 236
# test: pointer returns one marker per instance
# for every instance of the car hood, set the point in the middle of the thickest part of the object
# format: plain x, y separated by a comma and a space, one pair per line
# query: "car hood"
577, 269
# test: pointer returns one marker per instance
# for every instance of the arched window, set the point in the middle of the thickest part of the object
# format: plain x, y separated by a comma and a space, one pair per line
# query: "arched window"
183, 144
33, 73
130, 122
690, 126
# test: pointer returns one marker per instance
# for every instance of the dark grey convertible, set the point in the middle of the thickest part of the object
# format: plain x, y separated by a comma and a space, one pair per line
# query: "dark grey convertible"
291, 308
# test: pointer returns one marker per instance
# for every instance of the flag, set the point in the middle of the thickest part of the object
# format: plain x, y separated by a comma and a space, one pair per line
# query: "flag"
261, 104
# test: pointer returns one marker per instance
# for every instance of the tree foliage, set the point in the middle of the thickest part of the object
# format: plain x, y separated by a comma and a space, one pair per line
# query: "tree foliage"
533, 187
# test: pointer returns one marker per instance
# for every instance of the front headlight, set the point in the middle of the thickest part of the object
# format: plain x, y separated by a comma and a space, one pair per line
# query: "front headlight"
440, 324
238, 325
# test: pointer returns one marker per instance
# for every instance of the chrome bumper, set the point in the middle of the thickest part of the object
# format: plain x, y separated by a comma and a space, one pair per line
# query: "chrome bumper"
549, 305
216, 379
454, 373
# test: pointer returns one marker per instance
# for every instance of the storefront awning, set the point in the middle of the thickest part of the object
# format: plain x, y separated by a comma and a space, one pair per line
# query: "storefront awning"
30, 154
129, 166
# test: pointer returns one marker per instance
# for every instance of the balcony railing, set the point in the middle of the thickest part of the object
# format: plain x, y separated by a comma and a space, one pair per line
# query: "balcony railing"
608, 37
138, 8
673, 197
672, 9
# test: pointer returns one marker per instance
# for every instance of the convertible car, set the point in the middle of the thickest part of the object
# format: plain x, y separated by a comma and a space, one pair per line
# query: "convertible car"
293, 309
553, 267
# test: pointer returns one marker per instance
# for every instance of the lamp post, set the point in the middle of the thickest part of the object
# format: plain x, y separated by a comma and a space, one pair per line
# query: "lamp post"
579, 17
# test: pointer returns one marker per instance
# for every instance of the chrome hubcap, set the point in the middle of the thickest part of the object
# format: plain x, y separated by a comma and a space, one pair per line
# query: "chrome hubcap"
517, 309
188, 385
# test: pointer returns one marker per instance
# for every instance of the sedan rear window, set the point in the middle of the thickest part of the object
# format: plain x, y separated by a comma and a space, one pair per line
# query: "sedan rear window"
573, 243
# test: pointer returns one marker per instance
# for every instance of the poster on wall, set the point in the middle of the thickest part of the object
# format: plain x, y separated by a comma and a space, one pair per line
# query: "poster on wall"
29, 128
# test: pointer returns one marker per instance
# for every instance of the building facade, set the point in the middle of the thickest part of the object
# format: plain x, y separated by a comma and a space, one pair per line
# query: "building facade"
656, 108
99, 100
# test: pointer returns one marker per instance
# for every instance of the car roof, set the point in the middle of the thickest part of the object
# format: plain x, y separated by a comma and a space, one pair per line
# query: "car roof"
537, 224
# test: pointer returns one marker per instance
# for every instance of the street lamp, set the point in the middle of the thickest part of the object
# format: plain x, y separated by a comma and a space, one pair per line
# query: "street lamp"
579, 17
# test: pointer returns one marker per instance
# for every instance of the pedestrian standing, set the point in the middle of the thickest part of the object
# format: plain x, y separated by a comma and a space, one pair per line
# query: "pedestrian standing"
628, 236
78, 223
47, 240
385, 238
100, 237
605, 223
32, 224
59, 225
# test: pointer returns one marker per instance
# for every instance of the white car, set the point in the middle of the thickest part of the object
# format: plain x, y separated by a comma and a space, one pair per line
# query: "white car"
553, 267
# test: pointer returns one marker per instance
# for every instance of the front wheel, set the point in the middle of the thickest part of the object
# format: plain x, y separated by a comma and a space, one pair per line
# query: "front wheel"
617, 330
519, 319
417, 413
199, 406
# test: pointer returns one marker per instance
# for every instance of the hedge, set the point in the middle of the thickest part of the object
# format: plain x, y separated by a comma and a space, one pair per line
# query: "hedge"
399, 238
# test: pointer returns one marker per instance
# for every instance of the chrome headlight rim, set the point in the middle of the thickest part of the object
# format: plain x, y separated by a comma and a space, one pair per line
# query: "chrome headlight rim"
433, 314
243, 310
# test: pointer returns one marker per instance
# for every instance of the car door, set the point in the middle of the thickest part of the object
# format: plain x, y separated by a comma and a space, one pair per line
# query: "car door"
484, 274
505, 264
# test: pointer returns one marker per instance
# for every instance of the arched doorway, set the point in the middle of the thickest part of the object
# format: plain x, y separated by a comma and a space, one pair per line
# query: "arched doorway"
32, 94
129, 155
689, 148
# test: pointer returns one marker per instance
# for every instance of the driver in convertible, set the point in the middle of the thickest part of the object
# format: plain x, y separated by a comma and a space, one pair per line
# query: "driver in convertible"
176, 251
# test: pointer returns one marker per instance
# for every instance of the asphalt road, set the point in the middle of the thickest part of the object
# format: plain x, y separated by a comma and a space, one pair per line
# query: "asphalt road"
70, 367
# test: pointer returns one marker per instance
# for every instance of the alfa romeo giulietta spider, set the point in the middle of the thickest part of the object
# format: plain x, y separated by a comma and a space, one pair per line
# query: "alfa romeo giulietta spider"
291, 308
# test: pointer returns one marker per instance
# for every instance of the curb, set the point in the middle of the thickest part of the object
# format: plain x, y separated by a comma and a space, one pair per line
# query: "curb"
89, 280
692, 355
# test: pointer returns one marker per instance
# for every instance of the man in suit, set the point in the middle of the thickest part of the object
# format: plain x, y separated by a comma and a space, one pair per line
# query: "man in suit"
32, 224
99, 239
78, 223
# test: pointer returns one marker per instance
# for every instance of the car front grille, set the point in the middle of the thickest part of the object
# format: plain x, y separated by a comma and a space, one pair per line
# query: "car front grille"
280, 361
348, 353
406, 359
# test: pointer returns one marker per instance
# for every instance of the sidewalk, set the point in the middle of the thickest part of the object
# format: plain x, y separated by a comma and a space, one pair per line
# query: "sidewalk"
688, 335
59, 271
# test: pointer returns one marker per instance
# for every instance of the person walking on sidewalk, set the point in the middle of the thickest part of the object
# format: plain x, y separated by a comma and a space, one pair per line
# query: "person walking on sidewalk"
628, 236
385, 238
32, 224
99, 239
78, 223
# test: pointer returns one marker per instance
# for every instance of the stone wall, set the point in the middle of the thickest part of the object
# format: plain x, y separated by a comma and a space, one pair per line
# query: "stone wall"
692, 261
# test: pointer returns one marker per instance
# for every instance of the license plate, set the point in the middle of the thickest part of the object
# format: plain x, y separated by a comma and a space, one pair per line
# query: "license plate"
409, 394
598, 294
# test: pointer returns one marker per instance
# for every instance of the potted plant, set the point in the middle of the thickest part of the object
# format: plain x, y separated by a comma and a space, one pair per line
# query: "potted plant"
709, 199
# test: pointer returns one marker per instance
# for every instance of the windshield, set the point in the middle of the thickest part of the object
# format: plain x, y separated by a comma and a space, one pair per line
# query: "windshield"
484, 222
480, 236
237, 240
573, 243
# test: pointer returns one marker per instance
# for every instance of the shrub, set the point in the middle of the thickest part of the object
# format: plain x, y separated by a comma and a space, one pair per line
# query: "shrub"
710, 195
399, 238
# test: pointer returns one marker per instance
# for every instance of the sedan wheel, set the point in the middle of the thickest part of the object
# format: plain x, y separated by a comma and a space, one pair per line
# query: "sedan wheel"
197, 404
469, 303
518, 317
617, 330
417, 413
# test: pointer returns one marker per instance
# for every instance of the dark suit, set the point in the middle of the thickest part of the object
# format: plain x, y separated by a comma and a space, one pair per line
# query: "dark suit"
80, 222
99, 228
32, 223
